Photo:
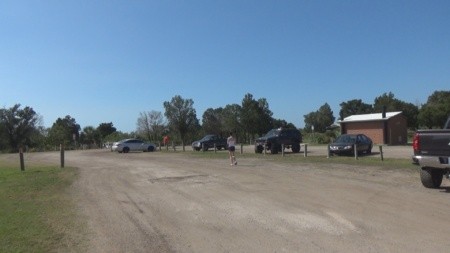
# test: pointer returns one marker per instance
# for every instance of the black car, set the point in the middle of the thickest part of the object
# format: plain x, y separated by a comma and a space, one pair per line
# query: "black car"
275, 138
209, 141
345, 144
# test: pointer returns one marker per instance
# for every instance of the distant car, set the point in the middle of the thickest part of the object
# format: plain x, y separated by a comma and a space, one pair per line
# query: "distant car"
208, 142
128, 145
345, 144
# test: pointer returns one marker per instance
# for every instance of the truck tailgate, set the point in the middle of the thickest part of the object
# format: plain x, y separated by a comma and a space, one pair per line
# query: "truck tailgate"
434, 142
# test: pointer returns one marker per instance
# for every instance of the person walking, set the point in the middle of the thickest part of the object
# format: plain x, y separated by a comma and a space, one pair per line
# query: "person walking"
231, 142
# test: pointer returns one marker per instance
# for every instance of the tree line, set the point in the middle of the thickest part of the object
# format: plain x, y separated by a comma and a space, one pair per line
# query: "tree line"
22, 128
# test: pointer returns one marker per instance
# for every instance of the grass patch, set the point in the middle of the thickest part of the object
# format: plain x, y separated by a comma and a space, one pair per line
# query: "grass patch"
372, 160
37, 213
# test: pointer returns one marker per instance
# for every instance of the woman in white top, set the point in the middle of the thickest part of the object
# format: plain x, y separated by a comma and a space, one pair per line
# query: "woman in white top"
231, 142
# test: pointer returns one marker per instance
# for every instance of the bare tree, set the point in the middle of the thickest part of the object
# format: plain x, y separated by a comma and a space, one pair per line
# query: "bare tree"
151, 125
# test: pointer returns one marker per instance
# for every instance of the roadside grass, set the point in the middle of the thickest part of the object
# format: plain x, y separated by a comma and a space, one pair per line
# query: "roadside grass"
364, 160
37, 213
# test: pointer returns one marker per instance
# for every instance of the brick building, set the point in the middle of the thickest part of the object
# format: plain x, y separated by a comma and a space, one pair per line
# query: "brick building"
383, 128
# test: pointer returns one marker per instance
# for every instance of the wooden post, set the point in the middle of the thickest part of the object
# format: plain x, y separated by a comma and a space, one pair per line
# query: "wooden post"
282, 149
173, 146
215, 148
242, 148
265, 148
61, 148
203, 147
159, 144
22, 163
355, 148
381, 153
328, 151
306, 150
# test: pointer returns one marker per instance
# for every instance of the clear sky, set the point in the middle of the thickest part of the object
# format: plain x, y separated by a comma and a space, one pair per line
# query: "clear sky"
107, 61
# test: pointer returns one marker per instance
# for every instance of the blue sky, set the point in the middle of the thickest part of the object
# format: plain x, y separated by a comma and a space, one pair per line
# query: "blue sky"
107, 61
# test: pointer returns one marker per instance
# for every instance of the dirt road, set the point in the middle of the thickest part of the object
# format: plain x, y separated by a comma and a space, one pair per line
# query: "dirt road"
170, 202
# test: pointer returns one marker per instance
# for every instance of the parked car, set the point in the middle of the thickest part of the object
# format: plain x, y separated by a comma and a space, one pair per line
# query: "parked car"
208, 142
345, 144
128, 145
275, 138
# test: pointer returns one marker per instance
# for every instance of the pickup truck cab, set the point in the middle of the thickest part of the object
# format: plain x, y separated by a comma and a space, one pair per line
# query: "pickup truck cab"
432, 154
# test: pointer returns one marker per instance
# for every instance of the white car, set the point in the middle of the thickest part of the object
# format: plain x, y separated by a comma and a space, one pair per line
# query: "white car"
128, 145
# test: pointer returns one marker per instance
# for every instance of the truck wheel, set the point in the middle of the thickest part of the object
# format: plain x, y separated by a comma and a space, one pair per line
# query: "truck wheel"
295, 148
431, 178
274, 149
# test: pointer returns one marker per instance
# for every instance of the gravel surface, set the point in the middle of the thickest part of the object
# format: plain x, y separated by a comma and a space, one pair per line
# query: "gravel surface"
173, 202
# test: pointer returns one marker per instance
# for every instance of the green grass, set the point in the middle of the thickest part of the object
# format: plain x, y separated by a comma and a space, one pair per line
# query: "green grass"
37, 213
374, 160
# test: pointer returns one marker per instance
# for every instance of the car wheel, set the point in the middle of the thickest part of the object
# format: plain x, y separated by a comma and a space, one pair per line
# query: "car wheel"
150, 149
126, 149
431, 178
274, 149
258, 149
295, 148
205, 148
369, 150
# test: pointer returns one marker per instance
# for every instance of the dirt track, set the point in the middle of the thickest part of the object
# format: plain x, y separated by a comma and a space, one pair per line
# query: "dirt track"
166, 202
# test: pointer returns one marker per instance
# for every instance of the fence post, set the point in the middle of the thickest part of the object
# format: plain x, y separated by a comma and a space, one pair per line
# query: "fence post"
242, 148
22, 163
215, 148
282, 149
173, 146
265, 149
355, 148
328, 151
381, 153
306, 150
61, 148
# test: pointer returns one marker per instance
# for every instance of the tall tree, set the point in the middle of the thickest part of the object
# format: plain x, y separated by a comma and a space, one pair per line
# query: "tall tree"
435, 112
232, 120
181, 115
320, 119
256, 117
213, 121
105, 129
354, 107
90, 136
64, 131
18, 125
151, 125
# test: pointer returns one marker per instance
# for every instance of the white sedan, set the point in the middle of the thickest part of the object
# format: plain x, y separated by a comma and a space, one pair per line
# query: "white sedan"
128, 145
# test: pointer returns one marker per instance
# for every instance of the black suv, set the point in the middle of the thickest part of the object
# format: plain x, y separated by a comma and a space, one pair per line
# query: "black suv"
291, 138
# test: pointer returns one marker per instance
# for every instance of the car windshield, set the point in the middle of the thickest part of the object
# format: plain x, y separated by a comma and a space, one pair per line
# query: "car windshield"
272, 132
346, 139
208, 137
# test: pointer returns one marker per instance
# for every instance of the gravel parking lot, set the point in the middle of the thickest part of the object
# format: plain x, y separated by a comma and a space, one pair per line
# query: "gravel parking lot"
173, 202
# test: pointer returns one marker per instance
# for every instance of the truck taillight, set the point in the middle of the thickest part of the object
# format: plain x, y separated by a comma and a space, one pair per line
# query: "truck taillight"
416, 142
